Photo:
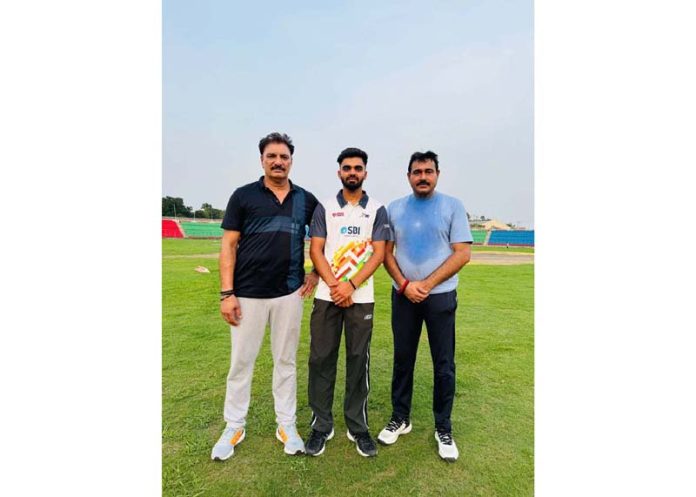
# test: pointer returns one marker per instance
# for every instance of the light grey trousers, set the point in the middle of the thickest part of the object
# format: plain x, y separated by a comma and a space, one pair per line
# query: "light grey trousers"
285, 316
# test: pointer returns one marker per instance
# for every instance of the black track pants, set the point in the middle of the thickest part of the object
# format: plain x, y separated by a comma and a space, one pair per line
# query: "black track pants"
438, 312
326, 325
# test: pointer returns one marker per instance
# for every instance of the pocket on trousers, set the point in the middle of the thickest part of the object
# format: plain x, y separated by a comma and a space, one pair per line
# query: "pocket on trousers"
453, 301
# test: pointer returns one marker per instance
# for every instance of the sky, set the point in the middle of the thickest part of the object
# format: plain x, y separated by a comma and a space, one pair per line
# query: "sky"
389, 77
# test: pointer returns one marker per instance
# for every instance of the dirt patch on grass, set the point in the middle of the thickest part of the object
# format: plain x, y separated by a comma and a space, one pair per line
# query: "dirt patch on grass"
501, 258
482, 258
191, 256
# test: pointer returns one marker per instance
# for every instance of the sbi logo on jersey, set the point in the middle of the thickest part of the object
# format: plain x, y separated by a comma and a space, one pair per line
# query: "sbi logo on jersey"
350, 230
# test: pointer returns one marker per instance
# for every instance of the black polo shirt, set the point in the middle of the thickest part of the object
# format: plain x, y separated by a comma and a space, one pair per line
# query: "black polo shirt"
270, 255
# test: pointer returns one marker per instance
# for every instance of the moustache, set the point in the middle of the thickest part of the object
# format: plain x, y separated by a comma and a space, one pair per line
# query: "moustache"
280, 168
423, 183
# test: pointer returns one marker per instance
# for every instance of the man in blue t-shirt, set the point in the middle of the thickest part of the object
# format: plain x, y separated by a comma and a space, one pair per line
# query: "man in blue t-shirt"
433, 242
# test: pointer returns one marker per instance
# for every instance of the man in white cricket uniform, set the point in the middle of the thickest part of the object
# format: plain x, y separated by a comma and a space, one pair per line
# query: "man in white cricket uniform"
348, 232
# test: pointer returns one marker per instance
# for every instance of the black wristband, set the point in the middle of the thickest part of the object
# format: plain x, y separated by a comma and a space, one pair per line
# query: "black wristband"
352, 284
227, 293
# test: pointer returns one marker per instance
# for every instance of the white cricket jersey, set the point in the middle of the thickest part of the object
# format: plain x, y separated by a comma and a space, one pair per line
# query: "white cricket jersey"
349, 231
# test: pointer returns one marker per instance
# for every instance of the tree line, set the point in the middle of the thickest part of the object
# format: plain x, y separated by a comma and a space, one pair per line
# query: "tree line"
175, 207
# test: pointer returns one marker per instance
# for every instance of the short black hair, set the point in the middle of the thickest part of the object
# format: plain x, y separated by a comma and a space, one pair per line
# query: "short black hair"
276, 137
423, 157
352, 152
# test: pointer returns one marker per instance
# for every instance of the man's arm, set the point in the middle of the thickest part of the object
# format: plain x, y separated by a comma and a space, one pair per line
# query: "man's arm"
391, 265
372, 263
321, 266
318, 233
310, 282
312, 278
394, 271
461, 255
229, 307
344, 289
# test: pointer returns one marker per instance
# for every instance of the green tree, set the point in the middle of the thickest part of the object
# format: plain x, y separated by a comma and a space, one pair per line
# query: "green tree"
208, 209
174, 207
210, 212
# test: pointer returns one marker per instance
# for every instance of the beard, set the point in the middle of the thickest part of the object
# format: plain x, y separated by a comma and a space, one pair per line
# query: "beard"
352, 186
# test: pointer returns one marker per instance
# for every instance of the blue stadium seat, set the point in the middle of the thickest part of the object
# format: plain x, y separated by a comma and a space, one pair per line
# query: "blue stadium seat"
500, 237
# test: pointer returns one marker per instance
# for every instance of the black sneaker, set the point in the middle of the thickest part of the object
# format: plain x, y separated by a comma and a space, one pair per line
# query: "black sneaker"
316, 443
364, 443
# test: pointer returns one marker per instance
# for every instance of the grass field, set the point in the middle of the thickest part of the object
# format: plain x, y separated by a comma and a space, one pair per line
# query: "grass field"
493, 415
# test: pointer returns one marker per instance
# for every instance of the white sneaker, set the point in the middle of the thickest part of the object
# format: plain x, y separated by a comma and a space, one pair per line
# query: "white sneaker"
224, 448
446, 446
292, 441
394, 428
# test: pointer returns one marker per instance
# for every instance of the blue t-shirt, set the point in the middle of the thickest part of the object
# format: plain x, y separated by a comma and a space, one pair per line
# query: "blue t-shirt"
424, 229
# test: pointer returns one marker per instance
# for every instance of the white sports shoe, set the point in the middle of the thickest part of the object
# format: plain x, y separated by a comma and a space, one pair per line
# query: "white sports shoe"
224, 448
292, 441
446, 446
394, 428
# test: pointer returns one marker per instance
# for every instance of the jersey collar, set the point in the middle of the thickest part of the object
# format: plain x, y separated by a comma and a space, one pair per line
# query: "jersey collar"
264, 187
342, 202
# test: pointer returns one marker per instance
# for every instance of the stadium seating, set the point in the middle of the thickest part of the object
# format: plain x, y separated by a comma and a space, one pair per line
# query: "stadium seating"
170, 229
479, 236
499, 237
202, 230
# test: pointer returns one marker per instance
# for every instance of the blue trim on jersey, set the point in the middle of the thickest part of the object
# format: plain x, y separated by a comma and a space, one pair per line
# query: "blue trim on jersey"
268, 224
297, 243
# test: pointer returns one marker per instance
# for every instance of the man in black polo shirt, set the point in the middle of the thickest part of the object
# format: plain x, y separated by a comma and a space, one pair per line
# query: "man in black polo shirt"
263, 281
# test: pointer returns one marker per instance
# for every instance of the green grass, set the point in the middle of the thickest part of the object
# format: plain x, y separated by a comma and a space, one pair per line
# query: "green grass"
486, 248
186, 246
492, 418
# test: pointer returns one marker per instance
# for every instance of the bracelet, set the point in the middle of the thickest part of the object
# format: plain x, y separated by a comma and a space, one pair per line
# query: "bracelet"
352, 284
226, 293
403, 287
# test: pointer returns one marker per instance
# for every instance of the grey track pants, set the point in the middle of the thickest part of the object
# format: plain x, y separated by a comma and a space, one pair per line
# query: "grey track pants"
326, 325
284, 314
